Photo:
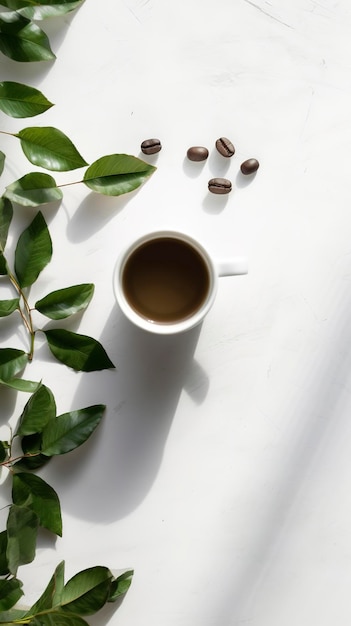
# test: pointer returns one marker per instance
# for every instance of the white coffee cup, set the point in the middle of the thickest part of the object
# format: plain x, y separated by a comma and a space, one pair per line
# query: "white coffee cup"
166, 282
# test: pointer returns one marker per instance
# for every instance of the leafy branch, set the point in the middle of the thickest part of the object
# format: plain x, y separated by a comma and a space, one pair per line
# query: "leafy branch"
41, 434
84, 594
21, 39
111, 175
49, 148
33, 252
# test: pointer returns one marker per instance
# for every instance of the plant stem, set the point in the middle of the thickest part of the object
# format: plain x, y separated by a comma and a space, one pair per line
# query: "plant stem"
12, 460
75, 182
26, 314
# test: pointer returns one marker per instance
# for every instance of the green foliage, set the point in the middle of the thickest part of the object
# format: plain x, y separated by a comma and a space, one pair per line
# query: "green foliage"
12, 361
50, 148
3, 451
35, 505
39, 410
65, 302
22, 529
6, 213
3, 549
33, 251
22, 40
60, 603
19, 100
31, 491
41, 9
10, 592
70, 430
80, 352
34, 189
19, 384
117, 174
8, 306
51, 597
40, 434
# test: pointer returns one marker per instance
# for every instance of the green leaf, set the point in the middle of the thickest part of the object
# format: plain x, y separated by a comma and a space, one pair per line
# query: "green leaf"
4, 270
50, 148
51, 597
6, 214
87, 591
22, 40
22, 529
42, 9
2, 161
120, 585
18, 100
38, 411
4, 568
117, 174
10, 593
70, 430
8, 618
31, 445
12, 361
33, 492
80, 352
3, 451
33, 251
8, 306
19, 384
33, 189
65, 302
57, 618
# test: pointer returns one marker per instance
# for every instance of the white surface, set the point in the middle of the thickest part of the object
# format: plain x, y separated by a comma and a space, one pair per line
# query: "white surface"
221, 471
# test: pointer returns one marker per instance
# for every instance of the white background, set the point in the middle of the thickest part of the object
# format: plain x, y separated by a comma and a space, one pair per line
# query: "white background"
221, 471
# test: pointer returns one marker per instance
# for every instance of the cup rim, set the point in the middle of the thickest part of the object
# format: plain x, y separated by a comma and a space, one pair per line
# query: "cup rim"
164, 328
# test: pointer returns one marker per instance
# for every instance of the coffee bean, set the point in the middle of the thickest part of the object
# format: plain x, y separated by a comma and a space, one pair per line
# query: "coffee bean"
197, 153
225, 147
219, 185
250, 166
151, 146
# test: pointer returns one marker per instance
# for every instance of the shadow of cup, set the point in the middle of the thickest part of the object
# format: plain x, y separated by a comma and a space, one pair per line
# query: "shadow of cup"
111, 474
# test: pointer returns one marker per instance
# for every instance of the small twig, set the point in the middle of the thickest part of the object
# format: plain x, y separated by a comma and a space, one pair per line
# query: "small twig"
26, 315
13, 460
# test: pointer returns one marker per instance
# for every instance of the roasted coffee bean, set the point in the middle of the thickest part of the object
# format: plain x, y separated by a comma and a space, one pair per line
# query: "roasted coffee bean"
151, 146
197, 153
219, 185
225, 147
250, 166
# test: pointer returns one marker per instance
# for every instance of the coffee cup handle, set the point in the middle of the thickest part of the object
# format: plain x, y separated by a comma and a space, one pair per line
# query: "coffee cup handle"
232, 267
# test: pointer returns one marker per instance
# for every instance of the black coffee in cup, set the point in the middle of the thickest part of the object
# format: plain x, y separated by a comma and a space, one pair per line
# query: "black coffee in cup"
166, 280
